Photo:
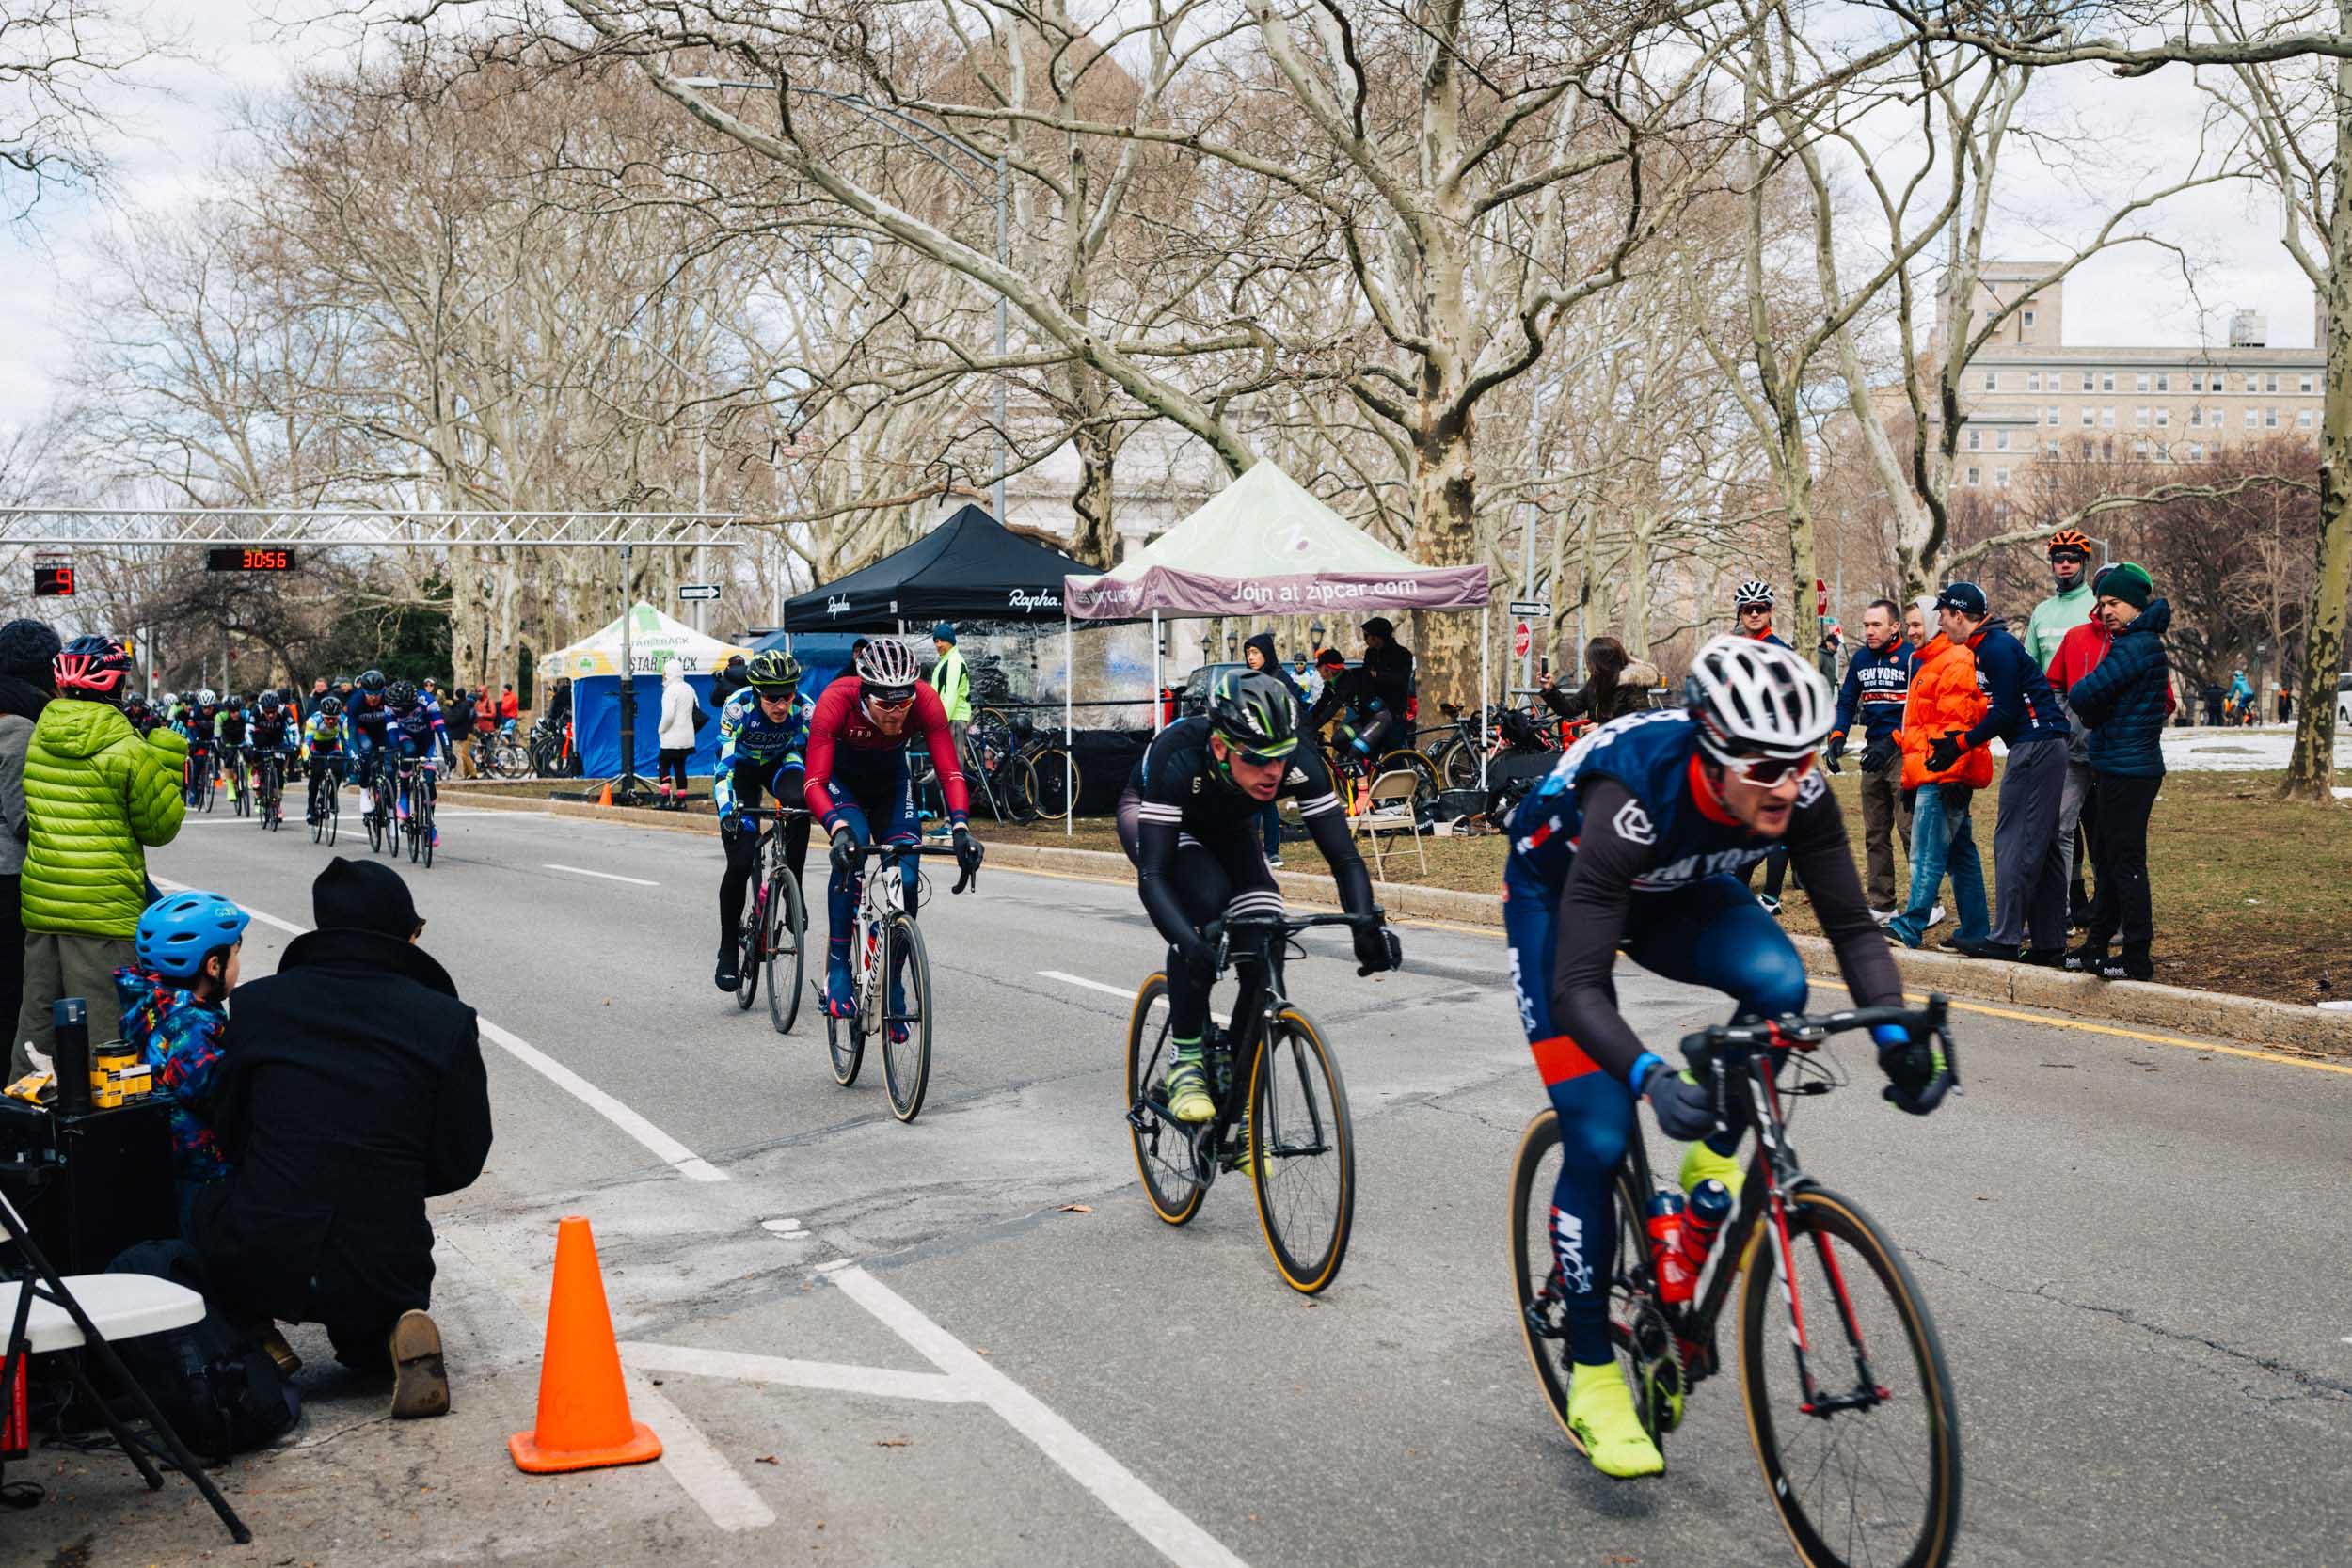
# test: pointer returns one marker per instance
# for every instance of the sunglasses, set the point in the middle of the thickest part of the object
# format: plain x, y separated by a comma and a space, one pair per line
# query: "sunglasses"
891, 699
1755, 610
1765, 772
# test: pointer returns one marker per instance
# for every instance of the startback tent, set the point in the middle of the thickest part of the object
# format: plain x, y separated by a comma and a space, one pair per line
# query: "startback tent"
594, 667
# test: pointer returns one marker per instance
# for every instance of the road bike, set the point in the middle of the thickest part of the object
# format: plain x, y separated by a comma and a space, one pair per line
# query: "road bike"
377, 783
419, 787
203, 778
885, 941
269, 785
500, 755
1282, 1109
774, 935
1855, 1427
241, 793
1354, 773
1485, 735
326, 806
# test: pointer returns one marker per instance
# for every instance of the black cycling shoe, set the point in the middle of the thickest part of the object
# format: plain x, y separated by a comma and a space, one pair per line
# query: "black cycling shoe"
2126, 966
724, 977
2044, 958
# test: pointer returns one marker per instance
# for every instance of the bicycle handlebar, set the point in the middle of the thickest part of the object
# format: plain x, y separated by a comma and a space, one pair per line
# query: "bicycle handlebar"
1284, 926
1702, 1047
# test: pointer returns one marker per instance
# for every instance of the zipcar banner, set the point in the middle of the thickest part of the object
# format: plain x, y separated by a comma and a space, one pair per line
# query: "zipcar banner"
1171, 591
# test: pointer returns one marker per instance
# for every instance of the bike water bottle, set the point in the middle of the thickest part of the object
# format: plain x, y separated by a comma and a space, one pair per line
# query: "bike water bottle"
1711, 1205
1675, 1279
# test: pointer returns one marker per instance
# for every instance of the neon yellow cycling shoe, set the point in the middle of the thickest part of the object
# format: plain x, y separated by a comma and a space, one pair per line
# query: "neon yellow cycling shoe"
1699, 1163
1188, 1091
1242, 1161
1601, 1419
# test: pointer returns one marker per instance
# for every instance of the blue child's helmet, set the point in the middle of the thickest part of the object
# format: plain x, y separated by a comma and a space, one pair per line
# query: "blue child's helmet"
179, 929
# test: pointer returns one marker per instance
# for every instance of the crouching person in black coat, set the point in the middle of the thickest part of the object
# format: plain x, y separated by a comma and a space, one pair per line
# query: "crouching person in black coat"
356, 1093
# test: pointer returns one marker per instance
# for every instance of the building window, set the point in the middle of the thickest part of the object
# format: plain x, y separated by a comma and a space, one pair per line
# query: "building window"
1991, 381
2001, 440
1976, 440
2000, 477
1973, 479
2197, 452
2049, 416
2251, 384
2028, 316
2033, 381
2140, 417
2163, 383
2196, 416
2303, 420
2307, 384
2164, 417
2141, 384
2107, 419
2271, 416
2270, 383
2050, 448
2197, 381
2140, 451
2106, 381
2088, 418
2249, 419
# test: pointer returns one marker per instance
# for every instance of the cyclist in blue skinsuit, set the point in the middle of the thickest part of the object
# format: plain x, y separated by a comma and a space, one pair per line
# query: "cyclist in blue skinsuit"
365, 719
1638, 839
763, 747
416, 734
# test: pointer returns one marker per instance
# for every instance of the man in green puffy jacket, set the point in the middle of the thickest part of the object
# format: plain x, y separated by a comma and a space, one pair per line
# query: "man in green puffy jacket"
98, 796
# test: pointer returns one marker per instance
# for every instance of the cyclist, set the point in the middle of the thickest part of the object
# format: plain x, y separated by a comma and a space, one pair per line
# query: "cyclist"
763, 748
1637, 840
856, 784
197, 721
414, 734
325, 746
272, 729
1188, 820
143, 718
365, 719
1751, 609
228, 727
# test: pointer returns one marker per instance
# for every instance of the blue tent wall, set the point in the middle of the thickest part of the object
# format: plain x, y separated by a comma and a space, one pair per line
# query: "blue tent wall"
596, 725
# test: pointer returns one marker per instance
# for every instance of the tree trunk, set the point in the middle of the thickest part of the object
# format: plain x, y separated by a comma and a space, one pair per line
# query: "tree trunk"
1445, 657
1095, 540
1796, 489
2312, 766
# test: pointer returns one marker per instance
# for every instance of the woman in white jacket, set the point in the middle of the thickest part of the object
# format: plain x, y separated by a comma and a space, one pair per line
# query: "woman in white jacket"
676, 736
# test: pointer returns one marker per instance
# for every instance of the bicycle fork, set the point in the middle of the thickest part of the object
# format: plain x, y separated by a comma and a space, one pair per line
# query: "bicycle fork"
1868, 1392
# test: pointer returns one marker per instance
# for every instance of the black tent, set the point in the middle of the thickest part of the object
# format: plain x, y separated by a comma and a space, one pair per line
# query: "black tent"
969, 568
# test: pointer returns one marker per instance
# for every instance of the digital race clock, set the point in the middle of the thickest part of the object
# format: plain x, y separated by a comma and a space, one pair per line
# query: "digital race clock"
247, 558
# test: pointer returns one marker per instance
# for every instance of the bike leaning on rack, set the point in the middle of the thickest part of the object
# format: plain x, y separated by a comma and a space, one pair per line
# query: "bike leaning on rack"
1849, 1401
890, 978
774, 934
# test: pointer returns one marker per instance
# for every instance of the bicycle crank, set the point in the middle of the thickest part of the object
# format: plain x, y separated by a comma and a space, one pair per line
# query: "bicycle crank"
1659, 1383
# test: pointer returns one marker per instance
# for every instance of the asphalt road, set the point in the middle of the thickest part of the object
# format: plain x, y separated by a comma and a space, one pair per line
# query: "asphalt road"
969, 1341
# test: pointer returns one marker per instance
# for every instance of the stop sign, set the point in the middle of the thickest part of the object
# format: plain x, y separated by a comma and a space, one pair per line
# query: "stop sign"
1519, 638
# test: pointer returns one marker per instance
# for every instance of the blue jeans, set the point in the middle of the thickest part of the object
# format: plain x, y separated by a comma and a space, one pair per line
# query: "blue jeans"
1271, 820
1941, 842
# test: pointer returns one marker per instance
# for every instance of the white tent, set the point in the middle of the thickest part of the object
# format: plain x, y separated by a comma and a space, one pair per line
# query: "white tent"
650, 641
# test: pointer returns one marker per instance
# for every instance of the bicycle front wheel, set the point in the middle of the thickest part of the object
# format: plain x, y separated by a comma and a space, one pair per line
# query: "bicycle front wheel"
749, 951
334, 810
906, 1011
1864, 1466
1051, 782
787, 957
1163, 1145
1302, 1152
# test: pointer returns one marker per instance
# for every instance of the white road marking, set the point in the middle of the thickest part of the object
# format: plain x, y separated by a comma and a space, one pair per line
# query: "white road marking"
783, 1228
607, 876
1122, 992
660, 1143
716, 1486
1148, 1514
882, 1382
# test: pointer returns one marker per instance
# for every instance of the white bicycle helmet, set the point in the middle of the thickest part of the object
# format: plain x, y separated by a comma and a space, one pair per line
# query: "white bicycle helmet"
887, 662
1751, 591
206, 698
1755, 699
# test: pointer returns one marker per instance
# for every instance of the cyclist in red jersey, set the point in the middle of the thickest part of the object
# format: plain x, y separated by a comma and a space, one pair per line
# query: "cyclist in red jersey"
858, 787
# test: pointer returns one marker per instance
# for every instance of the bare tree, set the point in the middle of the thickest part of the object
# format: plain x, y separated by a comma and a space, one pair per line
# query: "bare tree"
61, 64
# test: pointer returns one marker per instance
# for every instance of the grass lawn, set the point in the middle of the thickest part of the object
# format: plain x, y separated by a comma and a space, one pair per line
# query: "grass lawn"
2253, 896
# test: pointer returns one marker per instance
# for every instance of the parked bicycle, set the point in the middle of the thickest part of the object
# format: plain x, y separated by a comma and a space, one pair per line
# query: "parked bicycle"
1352, 773
774, 939
1490, 732
885, 941
1281, 1112
1855, 1426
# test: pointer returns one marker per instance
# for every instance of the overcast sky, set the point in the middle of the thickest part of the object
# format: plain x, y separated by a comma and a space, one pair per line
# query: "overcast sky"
2133, 296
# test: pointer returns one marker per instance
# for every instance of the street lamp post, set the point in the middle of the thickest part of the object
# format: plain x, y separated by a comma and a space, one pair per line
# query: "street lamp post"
893, 120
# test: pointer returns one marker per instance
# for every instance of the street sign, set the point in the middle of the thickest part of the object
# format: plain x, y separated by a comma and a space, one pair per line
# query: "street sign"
1520, 637
698, 591
1540, 608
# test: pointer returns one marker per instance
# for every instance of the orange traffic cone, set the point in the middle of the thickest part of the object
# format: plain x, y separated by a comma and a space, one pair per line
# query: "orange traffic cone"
583, 1409
606, 799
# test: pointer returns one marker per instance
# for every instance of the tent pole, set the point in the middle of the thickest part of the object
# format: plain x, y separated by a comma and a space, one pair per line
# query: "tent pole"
1486, 614
1158, 706
1068, 735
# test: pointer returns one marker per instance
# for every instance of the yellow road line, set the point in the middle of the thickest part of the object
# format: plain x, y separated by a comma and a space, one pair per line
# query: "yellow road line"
1958, 1004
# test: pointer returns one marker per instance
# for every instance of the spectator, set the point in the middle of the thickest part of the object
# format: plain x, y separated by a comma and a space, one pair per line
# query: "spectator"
458, 714
319, 692
28, 651
1308, 680
954, 685
355, 1093
1915, 622
97, 795
1877, 680
1257, 653
2066, 607
509, 708
2029, 871
2211, 697
2286, 701
676, 735
1389, 664
1942, 705
172, 1013
1615, 685
2122, 698
727, 682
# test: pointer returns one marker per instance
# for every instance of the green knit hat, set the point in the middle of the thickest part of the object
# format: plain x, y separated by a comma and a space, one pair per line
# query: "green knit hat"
2127, 580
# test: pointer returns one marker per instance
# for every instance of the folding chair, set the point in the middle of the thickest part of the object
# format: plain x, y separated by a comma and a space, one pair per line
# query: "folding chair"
1389, 809
50, 1312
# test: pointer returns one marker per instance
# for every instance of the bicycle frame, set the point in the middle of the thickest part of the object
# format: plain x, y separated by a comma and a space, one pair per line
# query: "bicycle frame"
872, 908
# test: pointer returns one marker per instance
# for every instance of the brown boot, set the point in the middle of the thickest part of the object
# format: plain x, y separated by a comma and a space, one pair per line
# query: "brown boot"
420, 1381
284, 1353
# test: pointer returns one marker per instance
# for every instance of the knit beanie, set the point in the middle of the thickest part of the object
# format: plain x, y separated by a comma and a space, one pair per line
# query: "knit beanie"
2127, 580
365, 896
28, 649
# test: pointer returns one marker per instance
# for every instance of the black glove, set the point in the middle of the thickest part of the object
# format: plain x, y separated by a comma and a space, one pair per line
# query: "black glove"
1878, 754
1195, 956
1944, 753
1377, 950
968, 857
1917, 1075
844, 848
1684, 1112
1835, 749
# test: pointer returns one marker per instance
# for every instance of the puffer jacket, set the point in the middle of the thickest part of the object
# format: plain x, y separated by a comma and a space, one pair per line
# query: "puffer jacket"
96, 793
1943, 698
2122, 698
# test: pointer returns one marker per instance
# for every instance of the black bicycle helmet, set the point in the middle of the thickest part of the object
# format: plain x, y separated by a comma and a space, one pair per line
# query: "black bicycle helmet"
372, 680
1751, 591
267, 702
1255, 714
401, 693
772, 668
331, 707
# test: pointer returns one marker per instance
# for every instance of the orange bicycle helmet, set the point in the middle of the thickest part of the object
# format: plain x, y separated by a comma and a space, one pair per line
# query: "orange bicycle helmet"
2069, 539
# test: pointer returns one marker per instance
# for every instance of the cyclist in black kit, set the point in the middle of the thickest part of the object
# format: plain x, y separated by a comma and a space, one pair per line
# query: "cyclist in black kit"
1189, 821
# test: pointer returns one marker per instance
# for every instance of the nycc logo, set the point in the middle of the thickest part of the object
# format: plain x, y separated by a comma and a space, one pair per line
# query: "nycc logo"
1025, 601
837, 604
1632, 824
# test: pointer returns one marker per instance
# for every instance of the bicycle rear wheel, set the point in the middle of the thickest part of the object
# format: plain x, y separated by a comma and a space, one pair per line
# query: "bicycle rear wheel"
422, 811
334, 810
906, 1063
787, 943
1868, 1470
1302, 1152
750, 949
1050, 780
1163, 1145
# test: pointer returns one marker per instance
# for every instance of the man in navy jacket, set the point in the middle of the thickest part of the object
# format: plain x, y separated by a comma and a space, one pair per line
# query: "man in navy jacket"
1878, 678
2030, 872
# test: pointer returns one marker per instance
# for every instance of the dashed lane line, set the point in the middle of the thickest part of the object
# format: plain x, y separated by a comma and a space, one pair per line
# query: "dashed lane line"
607, 876
1119, 992
660, 1143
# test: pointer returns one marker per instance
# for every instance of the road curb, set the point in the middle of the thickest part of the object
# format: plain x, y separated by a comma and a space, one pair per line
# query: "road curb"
2124, 1004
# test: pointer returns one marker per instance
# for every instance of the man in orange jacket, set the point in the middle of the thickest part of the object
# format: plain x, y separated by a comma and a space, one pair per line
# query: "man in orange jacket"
1944, 700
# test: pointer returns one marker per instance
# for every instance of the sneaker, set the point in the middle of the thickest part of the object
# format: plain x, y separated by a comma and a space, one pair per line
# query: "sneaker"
1771, 905
1935, 916
1702, 1163
2084, 959
1274, 861
419, 1380
2126, 966
2044, 958
1188, 1091
1882, 916
1602, 1423
725, 977
2005, 951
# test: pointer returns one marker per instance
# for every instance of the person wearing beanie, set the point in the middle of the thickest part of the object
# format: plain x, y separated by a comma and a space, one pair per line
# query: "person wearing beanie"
2079, 652
954, 685
27, 682
356, 1093
2124, 698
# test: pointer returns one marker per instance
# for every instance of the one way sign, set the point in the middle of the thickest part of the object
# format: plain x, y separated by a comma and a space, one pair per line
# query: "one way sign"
692, 590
